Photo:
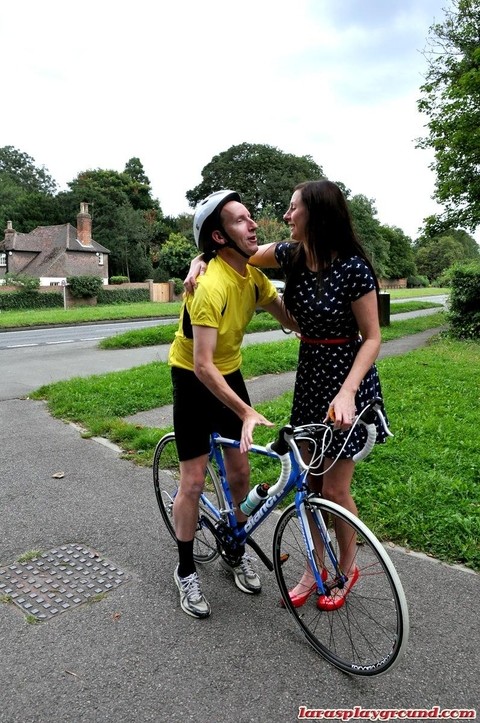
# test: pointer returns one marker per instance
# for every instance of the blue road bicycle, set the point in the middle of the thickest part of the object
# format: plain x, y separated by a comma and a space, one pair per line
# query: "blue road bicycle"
367, 634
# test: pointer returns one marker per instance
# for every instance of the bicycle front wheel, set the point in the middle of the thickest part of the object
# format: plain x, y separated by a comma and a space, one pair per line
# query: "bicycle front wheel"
166, 477
368, 633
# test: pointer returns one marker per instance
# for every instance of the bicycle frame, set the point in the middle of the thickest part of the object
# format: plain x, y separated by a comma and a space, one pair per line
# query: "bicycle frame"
296, 480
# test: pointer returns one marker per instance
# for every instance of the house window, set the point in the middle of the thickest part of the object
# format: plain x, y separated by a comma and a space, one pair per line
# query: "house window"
3, 259
100, 259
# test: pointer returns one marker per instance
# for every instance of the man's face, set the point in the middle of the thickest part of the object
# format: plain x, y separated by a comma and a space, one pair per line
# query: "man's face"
240, 226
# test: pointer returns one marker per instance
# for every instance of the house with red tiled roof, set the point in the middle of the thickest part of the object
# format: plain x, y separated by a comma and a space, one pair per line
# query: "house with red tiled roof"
53, 253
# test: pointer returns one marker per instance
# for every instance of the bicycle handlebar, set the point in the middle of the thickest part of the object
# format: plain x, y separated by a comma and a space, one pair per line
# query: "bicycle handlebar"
287, 436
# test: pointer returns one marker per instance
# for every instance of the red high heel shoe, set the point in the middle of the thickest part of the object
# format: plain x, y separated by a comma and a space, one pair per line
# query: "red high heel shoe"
299, 599
336, 601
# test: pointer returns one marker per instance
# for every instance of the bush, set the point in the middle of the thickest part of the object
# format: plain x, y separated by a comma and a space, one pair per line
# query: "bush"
122, 296
160, 275
23, 300
464, 301
84, 286
417, 282
177, 286
23, 282
119, 280
175, 255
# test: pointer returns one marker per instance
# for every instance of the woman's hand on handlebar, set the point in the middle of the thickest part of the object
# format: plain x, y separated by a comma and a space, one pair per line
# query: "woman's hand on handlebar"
342, 410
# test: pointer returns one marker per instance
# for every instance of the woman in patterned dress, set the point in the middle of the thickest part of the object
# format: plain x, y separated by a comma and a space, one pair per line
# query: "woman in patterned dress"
332, 291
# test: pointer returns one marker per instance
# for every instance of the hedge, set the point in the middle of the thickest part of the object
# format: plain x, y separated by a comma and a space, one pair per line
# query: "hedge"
22, 300
464, 301
122, 296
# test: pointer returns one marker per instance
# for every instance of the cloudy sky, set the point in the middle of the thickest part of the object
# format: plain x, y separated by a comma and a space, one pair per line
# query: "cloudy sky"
91, 84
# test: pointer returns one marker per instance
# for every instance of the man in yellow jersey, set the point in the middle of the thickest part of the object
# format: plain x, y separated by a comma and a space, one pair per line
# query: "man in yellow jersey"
209, 392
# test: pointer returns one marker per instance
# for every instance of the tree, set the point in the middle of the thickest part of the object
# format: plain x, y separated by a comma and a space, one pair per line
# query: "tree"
439, 254
470, 247
134, 169
270, 229
451, 100
176, 254
401, 260
368, 229
26, 192
130, 251
263, 175
125, 217
20, 168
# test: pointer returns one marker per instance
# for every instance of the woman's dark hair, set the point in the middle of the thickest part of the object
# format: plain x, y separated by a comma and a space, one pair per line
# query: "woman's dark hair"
329, 230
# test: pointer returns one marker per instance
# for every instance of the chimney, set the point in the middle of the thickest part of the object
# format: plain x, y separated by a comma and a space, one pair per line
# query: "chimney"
9, 232
84, 225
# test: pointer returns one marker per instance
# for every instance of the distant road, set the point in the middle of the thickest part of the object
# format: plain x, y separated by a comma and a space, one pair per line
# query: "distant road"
93, 333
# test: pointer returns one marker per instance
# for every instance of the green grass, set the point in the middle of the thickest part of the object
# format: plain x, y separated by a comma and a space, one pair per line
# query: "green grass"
399, 307
412, 293
88, 314
420, 490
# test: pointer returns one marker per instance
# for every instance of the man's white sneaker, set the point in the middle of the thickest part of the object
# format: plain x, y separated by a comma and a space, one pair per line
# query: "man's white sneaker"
245, 576
192, 600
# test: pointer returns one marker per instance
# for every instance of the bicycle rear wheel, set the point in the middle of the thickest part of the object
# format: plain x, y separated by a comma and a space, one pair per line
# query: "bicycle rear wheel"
369, 633
166, 477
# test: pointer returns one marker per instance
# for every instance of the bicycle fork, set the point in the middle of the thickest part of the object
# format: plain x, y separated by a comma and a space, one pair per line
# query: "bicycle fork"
312, 519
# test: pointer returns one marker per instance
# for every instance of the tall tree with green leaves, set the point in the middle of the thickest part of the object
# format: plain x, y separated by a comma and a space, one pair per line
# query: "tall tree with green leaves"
451, 100
401, 259
368, 229
437, 256
26, 192
470, 248
125, 217
263, 175
20, 168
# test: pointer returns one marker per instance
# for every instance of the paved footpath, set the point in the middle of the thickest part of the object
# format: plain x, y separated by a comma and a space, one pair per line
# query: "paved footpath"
133, 656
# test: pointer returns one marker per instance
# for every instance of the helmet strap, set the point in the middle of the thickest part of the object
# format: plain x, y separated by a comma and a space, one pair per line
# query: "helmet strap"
230, 243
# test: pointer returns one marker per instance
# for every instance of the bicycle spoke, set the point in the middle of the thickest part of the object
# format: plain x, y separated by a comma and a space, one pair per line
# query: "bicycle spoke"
367, 634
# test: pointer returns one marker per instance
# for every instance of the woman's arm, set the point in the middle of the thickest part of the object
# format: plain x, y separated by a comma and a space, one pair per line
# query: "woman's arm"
263, 258
365, 310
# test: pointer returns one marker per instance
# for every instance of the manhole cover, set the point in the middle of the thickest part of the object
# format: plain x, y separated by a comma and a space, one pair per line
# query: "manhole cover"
58, 580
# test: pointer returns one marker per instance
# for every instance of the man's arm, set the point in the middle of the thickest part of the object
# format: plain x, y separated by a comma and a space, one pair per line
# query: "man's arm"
277, 309
204, 345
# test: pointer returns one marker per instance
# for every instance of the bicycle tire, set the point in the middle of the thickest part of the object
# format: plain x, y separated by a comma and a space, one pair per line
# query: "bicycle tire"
166, 477
367, 635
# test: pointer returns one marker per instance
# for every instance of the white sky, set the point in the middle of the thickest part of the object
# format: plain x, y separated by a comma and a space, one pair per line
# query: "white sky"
91, 84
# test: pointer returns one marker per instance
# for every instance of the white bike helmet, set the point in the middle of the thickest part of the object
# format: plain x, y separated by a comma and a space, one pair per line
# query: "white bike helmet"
213, 203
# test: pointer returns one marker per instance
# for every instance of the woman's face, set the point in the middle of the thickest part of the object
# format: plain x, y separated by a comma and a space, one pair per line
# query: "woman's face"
296, 217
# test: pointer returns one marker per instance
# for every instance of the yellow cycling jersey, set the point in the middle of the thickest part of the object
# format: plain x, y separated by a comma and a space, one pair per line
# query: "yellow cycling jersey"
226, 301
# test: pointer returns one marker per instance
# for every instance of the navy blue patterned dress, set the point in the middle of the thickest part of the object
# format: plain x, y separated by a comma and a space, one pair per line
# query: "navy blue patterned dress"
322, 368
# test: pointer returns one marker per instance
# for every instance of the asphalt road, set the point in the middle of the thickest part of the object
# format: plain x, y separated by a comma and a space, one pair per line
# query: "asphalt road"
133, 656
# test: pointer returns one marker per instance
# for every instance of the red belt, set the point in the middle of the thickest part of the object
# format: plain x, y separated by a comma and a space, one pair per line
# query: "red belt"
308, 340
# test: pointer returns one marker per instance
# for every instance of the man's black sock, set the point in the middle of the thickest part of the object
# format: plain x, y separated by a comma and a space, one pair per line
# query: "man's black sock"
186, 565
